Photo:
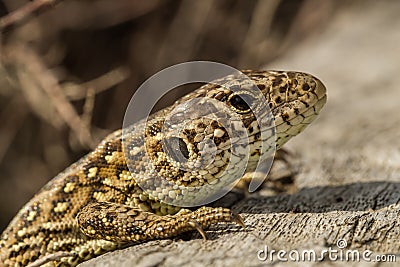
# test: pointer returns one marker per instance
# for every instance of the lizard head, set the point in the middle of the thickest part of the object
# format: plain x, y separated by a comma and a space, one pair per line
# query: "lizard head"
217, 133
271, 106
294, 99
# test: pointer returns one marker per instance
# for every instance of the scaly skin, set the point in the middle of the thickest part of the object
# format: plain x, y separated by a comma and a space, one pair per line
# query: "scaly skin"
96, 205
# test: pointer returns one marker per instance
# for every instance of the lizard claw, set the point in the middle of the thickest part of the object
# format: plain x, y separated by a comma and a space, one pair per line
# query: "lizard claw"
197, 226
237, 219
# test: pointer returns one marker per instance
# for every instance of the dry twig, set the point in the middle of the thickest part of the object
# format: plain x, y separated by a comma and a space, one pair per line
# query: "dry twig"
102, 83
33, 64
12, 120
24, 12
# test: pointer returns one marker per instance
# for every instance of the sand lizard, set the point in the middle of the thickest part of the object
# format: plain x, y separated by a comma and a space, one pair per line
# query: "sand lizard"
96, 205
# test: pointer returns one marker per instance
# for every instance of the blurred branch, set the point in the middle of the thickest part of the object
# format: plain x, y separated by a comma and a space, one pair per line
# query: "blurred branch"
258, 37
102, 83
24, 12
12, 119
307, 21
180, 42
27, 57
88, 107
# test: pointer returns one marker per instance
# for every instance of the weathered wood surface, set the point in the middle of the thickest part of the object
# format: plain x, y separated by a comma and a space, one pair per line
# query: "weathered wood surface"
348, 161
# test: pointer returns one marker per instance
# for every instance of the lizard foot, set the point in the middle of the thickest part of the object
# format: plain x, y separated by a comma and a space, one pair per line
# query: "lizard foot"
124, 224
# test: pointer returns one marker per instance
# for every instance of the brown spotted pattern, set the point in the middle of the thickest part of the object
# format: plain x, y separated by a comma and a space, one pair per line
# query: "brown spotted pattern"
96, 205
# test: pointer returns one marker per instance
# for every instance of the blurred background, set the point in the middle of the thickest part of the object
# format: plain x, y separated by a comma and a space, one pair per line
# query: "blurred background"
69, 68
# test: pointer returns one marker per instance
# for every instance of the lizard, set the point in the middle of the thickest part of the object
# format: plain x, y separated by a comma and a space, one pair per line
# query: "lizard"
98, 205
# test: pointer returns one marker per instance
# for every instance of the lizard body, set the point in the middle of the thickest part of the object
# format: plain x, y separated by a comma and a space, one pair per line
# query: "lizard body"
96, 205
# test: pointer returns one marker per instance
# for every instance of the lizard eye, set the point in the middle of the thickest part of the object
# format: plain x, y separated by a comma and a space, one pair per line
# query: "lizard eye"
241, 102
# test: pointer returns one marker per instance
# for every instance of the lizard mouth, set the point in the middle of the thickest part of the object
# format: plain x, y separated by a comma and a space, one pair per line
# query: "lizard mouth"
320, 91
294, 116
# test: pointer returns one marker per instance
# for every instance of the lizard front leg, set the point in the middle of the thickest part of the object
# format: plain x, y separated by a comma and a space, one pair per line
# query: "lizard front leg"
123, 224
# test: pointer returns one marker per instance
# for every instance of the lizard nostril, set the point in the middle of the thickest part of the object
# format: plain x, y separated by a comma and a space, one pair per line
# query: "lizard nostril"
306, 87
